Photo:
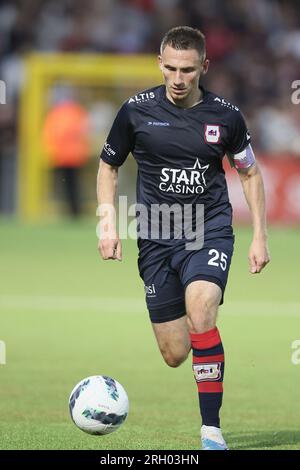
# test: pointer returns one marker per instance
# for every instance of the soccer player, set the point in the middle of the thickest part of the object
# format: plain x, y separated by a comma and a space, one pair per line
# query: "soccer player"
178, 134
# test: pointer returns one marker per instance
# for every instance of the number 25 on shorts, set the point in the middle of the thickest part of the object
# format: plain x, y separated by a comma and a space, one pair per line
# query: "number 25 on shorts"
218, 259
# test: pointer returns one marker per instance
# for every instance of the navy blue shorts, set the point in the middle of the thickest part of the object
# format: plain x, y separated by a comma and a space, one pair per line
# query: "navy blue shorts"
165, 281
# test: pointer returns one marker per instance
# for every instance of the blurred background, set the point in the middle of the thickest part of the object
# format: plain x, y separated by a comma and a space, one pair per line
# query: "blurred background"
75, 62
65, 314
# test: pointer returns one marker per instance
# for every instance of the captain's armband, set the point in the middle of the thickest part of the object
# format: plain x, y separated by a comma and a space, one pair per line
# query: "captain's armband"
244, 159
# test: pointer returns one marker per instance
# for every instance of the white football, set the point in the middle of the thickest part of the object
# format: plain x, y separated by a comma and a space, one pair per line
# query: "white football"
98, 405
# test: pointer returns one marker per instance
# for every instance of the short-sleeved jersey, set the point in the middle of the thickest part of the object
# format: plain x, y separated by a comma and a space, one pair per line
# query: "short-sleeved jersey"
179, 153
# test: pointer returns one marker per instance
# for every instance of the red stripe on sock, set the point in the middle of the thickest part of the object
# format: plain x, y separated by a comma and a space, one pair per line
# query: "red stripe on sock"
206, 359
210, 387
206, 340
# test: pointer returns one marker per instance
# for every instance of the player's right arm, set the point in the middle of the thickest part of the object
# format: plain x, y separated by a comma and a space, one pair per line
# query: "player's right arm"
119, 143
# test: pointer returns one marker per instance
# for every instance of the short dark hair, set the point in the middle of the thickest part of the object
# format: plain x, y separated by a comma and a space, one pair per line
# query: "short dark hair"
183, 38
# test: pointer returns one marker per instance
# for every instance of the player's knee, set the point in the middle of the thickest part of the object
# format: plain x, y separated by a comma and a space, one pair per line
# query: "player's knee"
202, 320
202, 315
201, 325
174, 359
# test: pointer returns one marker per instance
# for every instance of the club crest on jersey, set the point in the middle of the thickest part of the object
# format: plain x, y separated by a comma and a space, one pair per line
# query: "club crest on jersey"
212, 133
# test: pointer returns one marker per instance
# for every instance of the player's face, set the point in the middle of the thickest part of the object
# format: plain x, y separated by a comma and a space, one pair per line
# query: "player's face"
182, 70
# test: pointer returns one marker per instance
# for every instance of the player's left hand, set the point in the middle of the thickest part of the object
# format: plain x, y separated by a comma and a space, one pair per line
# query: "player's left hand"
259, 255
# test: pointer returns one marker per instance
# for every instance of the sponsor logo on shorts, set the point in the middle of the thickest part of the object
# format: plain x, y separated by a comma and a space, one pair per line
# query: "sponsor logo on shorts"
150, 290
207, 372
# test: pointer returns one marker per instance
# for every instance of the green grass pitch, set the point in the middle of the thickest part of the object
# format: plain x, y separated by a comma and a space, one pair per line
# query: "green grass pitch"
65, 314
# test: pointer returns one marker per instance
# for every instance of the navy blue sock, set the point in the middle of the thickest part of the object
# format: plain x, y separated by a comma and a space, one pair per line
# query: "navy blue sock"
208, 366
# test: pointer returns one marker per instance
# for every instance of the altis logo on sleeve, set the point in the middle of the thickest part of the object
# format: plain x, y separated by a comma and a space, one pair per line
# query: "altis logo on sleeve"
226, 103
142, 97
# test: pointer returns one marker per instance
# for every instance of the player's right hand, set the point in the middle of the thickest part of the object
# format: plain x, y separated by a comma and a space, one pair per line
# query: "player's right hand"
110, 248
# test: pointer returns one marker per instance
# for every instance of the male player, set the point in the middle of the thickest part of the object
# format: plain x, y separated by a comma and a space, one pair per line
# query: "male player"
178, 134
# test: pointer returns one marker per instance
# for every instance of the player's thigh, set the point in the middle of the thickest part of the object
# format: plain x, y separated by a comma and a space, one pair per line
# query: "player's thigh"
173, 340
211, 264
204, 275
166, 306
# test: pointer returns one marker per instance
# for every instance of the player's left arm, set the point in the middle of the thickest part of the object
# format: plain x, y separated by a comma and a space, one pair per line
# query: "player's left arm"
253, 186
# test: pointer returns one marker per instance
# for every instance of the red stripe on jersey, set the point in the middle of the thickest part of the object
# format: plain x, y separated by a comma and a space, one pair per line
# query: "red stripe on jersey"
210, 387
206, 340
207, 359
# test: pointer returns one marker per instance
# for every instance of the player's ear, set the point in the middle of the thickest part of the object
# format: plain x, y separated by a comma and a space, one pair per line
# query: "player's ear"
205, 66
160, 64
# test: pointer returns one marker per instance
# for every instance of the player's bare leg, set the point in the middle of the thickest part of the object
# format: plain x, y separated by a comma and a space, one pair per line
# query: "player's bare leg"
202, 299
173, 340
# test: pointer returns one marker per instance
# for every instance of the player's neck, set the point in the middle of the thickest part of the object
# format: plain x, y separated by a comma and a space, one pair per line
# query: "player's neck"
193, 99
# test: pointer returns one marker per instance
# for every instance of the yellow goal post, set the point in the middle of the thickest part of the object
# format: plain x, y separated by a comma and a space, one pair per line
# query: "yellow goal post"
42, 71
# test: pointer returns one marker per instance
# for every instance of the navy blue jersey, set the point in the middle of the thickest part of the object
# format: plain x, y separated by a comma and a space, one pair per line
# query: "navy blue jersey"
179, 153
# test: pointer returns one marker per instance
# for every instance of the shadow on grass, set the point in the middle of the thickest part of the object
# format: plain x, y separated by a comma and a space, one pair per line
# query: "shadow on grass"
263, 440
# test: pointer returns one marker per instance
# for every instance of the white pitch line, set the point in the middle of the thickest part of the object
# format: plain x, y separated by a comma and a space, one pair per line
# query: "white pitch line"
135, 305
72, 303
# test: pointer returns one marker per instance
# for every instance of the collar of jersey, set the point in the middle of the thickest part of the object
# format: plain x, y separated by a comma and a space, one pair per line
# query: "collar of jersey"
192, 108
